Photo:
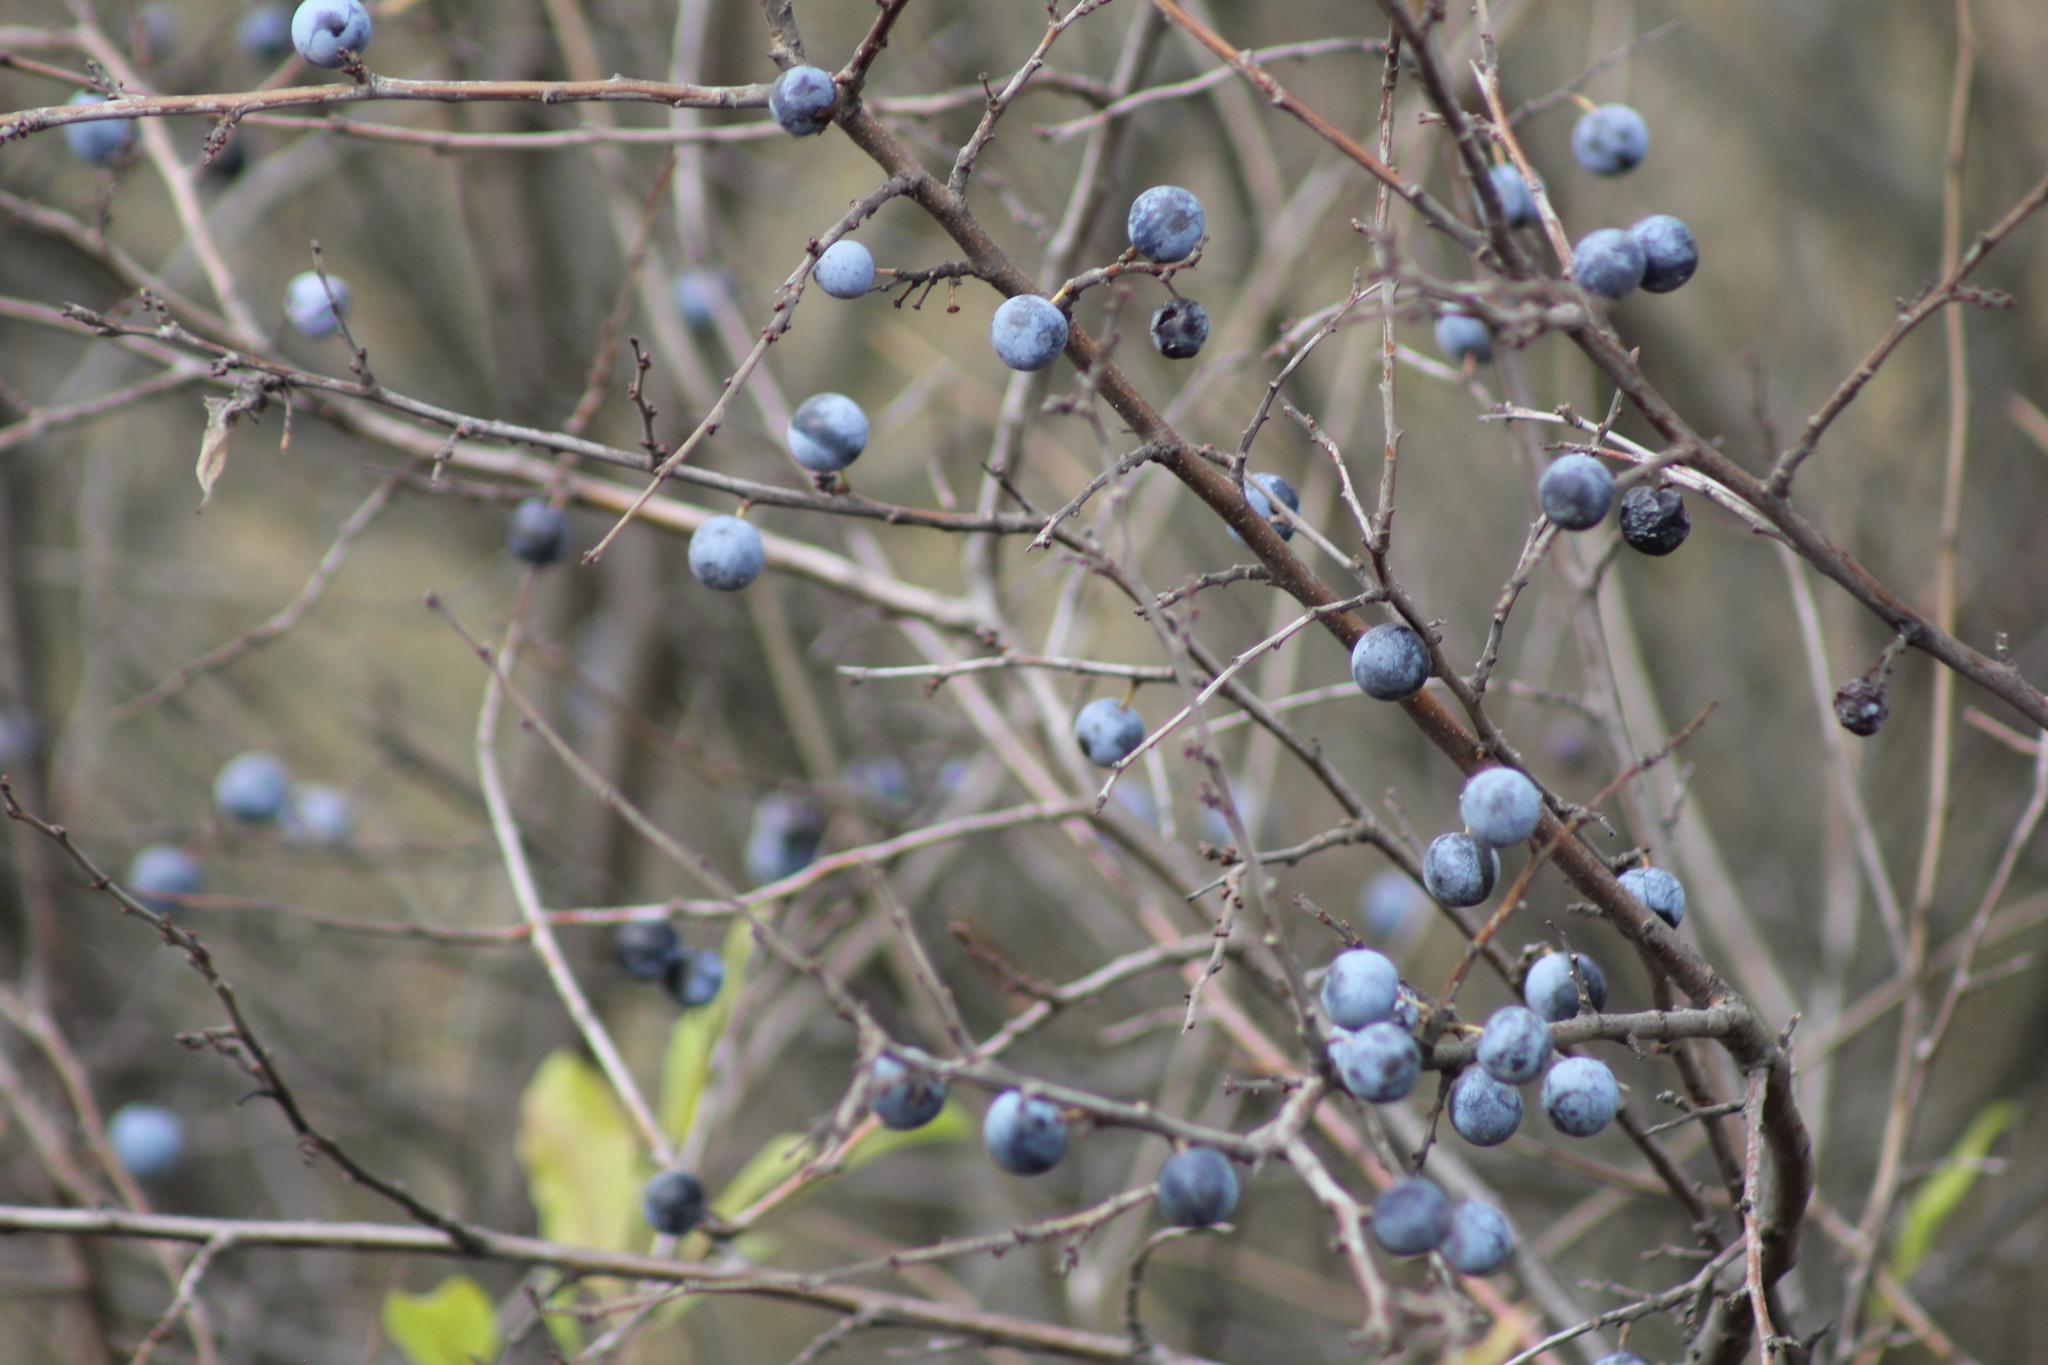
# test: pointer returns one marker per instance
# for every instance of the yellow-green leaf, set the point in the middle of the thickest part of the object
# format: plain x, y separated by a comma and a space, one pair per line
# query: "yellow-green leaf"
583, 1162
1941, 1193
454, 1324
686, 1070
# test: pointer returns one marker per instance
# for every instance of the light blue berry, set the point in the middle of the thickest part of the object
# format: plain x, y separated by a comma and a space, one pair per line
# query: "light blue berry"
1108, 731
1390, 662
784, 838
323, 29
1500, 806
1197, 1188
1166, 223
726, 554
1514, 1045
1552, 991
1360, 988
1580, 1096
695, 295
1483, 1111
1513, 192
845, 270
1481, 1242
1412, 1218
1028, 332
828, 433
1575, 492
1459, 870
1260, 491
163, 870
252, 788
319, 816
99, 140
1024, 1137
1670, 252
1380, 1063
1608, 262
1460, 334
904, 1099
1610, 140
147, 1139
695, 977
1658, 890
310, 310
1389, 902
265, 32
801, 100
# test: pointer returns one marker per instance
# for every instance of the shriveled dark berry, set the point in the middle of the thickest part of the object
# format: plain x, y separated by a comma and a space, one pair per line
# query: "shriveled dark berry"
1861, 706
1179, 328
1654, 520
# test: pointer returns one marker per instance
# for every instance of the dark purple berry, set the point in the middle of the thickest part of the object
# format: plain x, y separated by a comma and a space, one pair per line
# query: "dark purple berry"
1654, 520
1861, 706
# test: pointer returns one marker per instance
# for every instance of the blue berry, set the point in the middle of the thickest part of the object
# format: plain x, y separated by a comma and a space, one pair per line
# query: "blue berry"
726, 554
1390, 662
1580, 1096
1500, 806
318, 815
97, 141
904, 1099
1621, 1358
163, 870
1513, 192
148, 1139
323, 29
845, 270
1166, 223
1360, 988
252, 788
828, 432
1412, 1218
646, 948
1483, 1111
1575, 492
1024, 1137
1179, 328
1610, 140
1197, 1188
1389, 902
1670, 252
1459, 870
265, 32
784, 839
695, 295
1460, 334
1658, 890
538, 532
695, 977
20, 739
1654, 520
673, 1203
1380, 1063
801, 100
1608, 262
1261, 490
1514, 1045
1481, 1242
1552, 991
1028, 332
1107, 731
308, 307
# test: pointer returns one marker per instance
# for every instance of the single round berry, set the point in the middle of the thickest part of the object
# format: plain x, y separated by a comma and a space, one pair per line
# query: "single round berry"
1580, 1096
1513, 192
673, 1203
1459, 870
1610, 140
318, 816
695, 977
1024, 1137
1412, 1218
1500, 806
1360, 988
801, 100
310, 309
1028, 332
1390, 902
1554, 993
784, 838
904, 1099
265, 32
324, 29
1166, 223
1483, 1111
1654, 520
1481, 1242
1514, 1046
101, 139
1575, 492
726, 554
1460, 334
827, 433
1861, 706
845, 270
646, 948
1197, 1188
1390, 662
252, 788
538, 532
147, 1139
1260, 490
1380, 1063
696, 293
163, 870
1179, 328
1657, 889
1107, 731
1608, 262
1670, 252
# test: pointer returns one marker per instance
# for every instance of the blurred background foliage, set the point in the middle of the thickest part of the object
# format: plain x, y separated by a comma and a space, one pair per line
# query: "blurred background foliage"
1803, 143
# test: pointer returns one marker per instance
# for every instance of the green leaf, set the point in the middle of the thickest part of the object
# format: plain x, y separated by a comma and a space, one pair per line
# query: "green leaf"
1941, 1193
583, 1161
454, 1324
686, 1070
